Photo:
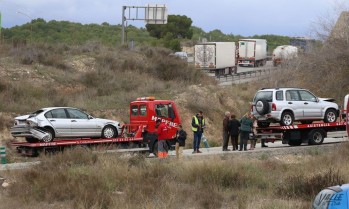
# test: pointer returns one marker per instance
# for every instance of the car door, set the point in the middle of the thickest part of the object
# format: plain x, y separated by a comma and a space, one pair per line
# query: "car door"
311, 106
60, 122
82, 125
294, 103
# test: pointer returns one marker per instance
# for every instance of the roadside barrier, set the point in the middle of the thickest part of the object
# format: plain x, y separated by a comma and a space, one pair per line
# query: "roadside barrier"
3, 155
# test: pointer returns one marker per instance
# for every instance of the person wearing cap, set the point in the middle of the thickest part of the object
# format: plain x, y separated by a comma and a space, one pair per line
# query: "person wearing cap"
198, 125
162, 131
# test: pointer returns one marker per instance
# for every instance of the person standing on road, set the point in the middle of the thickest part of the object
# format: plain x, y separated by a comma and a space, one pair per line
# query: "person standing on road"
198, 125
253, 133
181, 136
234, 126
245, 130
162, 131
226, 134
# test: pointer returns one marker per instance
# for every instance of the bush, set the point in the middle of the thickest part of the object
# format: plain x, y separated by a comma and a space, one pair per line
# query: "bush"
307, 186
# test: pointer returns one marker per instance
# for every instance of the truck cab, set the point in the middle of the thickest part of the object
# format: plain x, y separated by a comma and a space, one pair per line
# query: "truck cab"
146, 110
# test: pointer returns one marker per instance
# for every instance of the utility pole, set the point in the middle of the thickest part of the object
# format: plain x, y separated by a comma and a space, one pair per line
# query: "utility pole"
31, 24
123, 25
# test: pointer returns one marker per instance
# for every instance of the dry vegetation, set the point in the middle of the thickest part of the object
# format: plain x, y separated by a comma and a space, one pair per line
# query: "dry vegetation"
80, 179
104, 80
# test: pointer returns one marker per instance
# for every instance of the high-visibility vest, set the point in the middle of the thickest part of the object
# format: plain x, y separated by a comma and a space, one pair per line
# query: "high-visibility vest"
197, 123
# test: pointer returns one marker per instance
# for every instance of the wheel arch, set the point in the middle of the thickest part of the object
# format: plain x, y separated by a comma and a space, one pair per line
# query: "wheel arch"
50, 128
330, 108
287, 110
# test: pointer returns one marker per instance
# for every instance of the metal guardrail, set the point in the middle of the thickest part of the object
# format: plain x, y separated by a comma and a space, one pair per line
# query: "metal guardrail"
244, 75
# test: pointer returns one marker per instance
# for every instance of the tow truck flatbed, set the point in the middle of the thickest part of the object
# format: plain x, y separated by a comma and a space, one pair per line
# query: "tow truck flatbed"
295, 135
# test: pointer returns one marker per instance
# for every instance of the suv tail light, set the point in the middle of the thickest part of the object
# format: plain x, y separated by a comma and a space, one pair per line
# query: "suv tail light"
273, 107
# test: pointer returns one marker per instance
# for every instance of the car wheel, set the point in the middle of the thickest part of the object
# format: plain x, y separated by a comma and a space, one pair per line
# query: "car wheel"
109, 132
263, 124
31, 139
262, 107
286, 118
330, 116
316, 137
50, 136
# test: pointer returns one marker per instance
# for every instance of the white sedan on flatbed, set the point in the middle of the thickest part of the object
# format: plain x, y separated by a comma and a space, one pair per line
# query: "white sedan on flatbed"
49, 123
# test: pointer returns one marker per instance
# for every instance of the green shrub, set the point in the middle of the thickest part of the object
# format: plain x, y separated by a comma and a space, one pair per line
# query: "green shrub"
306, 186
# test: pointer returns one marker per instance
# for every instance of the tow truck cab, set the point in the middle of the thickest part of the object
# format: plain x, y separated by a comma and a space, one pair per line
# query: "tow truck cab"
146, 110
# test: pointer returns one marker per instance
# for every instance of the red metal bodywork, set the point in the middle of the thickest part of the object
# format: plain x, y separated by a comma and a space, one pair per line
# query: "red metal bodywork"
141, 130
149, 117
273, 133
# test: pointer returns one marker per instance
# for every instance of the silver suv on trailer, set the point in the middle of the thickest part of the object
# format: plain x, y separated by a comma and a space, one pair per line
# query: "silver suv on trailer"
286, 105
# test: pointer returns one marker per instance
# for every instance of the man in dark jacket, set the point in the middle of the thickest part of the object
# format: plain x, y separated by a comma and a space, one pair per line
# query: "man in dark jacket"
226, 134
234, 129
181, 136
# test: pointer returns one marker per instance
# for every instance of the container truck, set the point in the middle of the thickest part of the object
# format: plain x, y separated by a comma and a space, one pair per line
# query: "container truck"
216, 56
284, 53
252, 52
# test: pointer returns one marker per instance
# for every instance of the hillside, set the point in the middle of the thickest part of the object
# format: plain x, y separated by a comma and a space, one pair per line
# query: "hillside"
59, 63
103, 81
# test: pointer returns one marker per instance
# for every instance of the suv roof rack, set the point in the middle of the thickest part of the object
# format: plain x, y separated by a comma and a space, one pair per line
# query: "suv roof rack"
277, 88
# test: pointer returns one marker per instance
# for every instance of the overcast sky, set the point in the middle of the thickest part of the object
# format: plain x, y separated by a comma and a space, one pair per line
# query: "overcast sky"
247, 17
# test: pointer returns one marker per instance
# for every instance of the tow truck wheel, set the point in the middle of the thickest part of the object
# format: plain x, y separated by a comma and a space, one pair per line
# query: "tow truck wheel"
50, 136
295, 142
316, 137
31, 139
286, 118
263, 124
109, 132
330, 116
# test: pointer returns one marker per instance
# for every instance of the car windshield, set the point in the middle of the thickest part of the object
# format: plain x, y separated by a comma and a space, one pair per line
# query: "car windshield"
264, 95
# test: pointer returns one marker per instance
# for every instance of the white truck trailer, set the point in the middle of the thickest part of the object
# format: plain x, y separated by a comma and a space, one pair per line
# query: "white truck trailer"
252, 52
216, 56
284, 53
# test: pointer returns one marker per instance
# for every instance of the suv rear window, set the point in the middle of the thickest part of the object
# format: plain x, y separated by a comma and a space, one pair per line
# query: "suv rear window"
264, 95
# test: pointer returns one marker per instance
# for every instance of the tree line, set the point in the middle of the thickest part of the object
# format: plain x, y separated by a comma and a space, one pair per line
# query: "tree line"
172, 35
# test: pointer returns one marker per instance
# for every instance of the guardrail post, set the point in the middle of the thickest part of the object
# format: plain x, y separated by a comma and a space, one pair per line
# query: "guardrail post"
3, 155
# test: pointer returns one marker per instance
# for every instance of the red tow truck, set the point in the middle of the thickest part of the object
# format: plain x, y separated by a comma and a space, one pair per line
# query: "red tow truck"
140, 133
313, 134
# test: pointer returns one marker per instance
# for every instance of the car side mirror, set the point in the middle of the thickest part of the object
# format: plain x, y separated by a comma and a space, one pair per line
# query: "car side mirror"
90, 117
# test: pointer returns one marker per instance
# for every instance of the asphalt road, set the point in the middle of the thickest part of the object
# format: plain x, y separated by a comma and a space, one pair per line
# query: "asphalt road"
333, 138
